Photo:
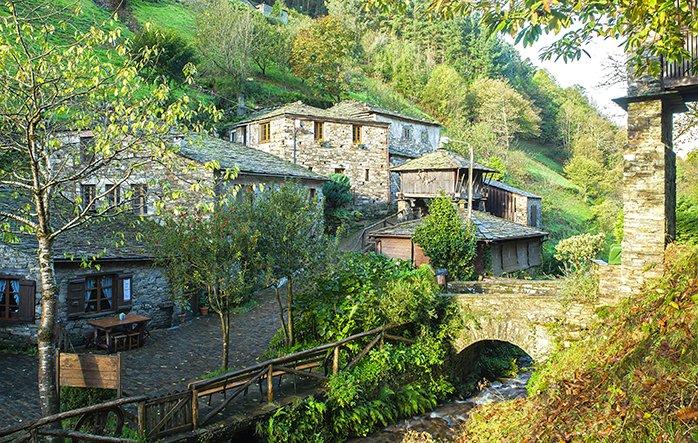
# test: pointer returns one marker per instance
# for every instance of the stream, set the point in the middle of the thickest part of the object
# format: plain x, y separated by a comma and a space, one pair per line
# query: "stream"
443, 422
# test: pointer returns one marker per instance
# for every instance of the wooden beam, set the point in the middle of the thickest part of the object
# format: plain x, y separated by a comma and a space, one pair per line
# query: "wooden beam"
86, 437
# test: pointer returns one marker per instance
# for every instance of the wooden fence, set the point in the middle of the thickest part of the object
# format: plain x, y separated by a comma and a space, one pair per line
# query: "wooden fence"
175, 413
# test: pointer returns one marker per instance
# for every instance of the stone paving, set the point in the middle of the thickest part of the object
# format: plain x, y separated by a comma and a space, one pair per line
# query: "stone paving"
168, 361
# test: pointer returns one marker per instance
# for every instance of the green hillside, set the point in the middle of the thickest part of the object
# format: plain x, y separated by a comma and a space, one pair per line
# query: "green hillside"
530, 165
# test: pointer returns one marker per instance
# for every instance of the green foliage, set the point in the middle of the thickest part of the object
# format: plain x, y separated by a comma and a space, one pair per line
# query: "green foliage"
498, 165
337, 193
686, 220
171, 52
586, 173
447, 240
320, 54
74, 398
445, 94
577, 252
631, 379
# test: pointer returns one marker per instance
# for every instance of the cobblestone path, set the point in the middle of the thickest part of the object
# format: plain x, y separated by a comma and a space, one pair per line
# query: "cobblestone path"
168, 361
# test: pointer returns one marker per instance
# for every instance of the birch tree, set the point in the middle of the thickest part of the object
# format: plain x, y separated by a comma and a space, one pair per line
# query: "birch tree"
56, 80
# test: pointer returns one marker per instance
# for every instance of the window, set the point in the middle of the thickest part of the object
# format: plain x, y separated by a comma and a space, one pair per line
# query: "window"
366, 174
356, 134
88, 194
9, 299
86, 149
113, 193
16, 299
425, 136
312, 194
318, 129
265, 132
99, 293
339, 170
406, 133
139, 200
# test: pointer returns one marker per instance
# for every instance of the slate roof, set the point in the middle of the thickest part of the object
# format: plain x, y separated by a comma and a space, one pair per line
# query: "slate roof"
512, 189
300, 109
488, 228
356, 109
116, 238
248, 160
439, 160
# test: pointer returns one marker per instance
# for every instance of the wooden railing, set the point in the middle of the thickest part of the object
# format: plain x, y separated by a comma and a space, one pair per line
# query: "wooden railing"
302, 364
165, 415
363, 244
685, 71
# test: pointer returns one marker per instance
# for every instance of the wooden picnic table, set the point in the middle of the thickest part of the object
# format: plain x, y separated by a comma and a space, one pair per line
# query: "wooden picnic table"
113, 334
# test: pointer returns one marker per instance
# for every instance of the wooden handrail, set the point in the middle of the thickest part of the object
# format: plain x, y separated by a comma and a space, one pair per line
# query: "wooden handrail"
68, 414
280, 361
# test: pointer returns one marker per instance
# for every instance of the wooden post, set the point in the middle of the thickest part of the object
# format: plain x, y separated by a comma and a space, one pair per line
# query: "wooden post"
270, 384
141, 419
58, 377
335, 360
118, 375
194, 409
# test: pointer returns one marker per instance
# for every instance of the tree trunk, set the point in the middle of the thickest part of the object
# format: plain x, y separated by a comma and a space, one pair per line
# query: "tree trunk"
281, 314
48, 390
289, 304
225, 335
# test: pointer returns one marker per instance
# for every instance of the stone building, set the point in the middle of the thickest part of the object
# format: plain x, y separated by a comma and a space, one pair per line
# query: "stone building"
507, 239
121, 276
409, 137
513, 204
326, 143
649, 164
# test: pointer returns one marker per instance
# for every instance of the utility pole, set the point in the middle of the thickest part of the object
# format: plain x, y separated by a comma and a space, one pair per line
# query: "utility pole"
470, 181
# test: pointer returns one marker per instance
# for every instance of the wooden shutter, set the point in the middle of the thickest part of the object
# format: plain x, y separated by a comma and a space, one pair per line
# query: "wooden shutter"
27, 300
76, 297
121, 303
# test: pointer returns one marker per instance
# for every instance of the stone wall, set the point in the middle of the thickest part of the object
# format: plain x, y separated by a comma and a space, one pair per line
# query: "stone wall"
648, 193
531, 314
410, 138
366, 164
150, 294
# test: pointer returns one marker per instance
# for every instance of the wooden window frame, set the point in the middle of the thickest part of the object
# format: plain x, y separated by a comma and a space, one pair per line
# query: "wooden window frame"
356, 136
113, 197
119, 304
139, 199
8, 293
367, 174
265, 132
406, 133
88, 193
98, 289
340, 170
319, 131
24, 299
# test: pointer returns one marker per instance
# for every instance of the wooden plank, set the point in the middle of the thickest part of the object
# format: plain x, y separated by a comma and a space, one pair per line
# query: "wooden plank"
89, 371
79, 361
83, 436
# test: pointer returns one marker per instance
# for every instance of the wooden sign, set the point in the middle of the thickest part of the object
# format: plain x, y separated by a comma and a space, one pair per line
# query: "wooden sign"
89, 371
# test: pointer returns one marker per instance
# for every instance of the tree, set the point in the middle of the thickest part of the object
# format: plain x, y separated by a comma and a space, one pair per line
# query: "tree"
226, 37
445, 94
272, 46
171, 52
647, 28
507, 112
586, 173
293, 244
215, 252
447, 240
320, 54
52, 82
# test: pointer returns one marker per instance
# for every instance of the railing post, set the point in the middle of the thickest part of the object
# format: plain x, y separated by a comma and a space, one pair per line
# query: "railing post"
335, 360
194, 409
270, 384
141, 418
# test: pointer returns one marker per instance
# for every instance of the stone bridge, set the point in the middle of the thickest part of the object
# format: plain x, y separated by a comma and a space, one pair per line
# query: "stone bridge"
531, 314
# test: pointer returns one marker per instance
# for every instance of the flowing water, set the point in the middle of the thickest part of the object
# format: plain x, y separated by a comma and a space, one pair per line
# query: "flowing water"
443, 422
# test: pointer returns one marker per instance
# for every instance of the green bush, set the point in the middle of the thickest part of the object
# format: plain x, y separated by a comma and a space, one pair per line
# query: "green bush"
447, 240
578, 251
337, 193
171, 54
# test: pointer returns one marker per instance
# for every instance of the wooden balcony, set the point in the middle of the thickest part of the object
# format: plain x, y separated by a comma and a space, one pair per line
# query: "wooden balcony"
683, 73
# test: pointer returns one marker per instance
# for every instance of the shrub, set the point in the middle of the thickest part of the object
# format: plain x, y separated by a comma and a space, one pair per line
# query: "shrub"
578, 251
337, 192
447, 240
172, 52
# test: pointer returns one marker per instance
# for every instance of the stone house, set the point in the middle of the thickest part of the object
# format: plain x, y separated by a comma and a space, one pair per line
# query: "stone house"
121, 275
514, 204
326, 143
409, 137
503, 244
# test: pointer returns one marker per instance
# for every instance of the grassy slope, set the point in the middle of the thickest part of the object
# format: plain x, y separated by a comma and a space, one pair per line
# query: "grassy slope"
565, 213
633, 379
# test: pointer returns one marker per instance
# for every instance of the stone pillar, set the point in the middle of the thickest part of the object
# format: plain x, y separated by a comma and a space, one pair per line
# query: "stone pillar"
649, 193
